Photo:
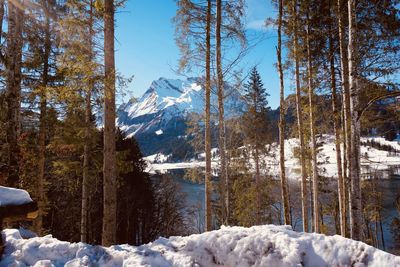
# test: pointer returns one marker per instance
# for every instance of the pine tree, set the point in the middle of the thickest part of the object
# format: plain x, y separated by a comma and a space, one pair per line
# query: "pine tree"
13, 64
109, 165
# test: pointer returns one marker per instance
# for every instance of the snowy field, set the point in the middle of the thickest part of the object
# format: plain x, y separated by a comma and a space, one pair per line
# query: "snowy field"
230, 246
372, 159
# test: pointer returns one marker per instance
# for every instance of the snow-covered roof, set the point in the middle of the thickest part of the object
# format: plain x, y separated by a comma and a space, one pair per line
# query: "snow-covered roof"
267, 245
12, 196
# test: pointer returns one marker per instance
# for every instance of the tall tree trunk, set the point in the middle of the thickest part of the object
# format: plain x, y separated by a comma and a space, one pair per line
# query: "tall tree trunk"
312, 130
43, 125
1, 19
85, 173
356, 212
13, 93
87, 147
208, 214
221, 119
346, 104
258, 185
336, 126
109, 163
304, 194
284, 185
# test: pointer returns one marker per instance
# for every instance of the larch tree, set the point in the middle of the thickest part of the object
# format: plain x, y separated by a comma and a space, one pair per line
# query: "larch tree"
229, 30
221, 117
304, 193
41, 75
314, 159
193, 22
88, 128
109, 161
81, 67
374, 49
284, 184
42, 120
207, 138
355, 168
336, 126
346, 134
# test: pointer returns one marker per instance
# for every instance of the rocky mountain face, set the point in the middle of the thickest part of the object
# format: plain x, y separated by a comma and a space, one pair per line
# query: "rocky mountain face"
158, 119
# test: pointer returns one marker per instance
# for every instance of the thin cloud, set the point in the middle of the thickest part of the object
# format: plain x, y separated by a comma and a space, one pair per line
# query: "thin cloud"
260, 25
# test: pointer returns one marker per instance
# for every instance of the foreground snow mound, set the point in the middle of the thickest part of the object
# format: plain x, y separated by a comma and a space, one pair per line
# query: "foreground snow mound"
230, 246
12, 196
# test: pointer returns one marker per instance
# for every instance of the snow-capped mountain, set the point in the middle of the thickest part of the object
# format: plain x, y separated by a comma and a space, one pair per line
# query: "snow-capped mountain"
162, 110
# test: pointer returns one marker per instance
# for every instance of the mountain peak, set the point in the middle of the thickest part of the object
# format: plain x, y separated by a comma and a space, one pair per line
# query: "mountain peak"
165, 87
166, 101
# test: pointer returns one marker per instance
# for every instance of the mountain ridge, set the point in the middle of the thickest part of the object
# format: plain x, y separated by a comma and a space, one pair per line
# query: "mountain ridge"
160, 114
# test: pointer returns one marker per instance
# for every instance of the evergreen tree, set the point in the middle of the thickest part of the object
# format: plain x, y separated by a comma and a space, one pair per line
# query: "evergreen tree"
13, 64
256, 128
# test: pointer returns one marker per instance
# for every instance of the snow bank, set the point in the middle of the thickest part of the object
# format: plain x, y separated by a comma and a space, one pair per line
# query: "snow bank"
230, 246
13, 196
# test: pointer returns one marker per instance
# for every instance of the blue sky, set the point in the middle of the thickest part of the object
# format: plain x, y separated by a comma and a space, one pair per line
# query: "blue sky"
145, 45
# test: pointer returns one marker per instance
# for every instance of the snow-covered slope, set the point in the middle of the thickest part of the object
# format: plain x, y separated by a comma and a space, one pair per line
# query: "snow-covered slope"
165, 100
267, 245
372, 159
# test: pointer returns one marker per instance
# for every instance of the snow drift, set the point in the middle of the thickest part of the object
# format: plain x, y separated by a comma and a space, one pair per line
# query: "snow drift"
13, 196
230, 246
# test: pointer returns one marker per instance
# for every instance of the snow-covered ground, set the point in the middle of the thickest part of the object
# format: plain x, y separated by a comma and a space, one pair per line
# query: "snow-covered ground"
372, 159
267, 245
13, 196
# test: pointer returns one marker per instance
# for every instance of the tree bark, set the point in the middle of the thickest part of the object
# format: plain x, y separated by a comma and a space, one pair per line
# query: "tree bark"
284, 185
43, 126
356, 212
13, 89
336, 126
221, 119
109, 161
87, 147
312, 130
258, 185
346, 104
304, 194
208, 213
1, 18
